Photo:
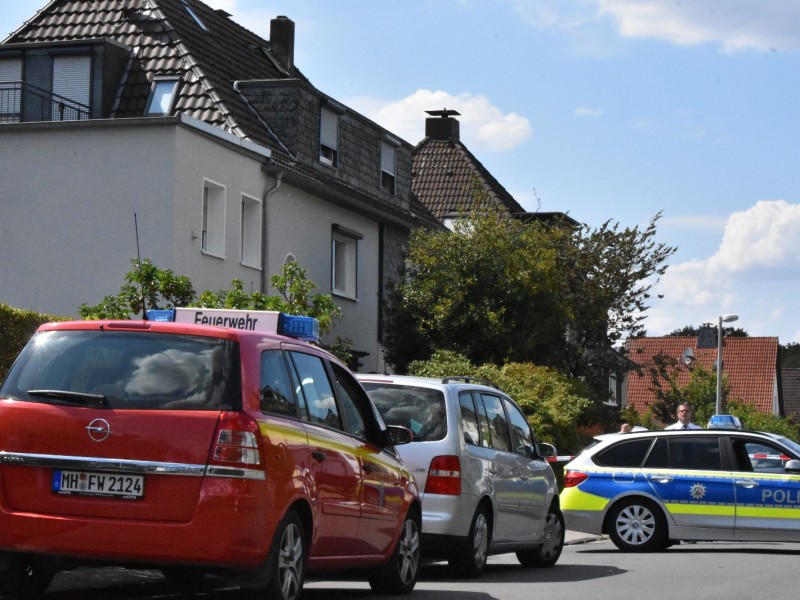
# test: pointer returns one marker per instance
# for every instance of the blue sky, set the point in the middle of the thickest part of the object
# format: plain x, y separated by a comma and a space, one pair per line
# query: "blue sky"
603, 109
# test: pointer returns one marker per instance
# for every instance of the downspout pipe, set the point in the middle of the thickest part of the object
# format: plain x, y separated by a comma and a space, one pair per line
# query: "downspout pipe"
271, 171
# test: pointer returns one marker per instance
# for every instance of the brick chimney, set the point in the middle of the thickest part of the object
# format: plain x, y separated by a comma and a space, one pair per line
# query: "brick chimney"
281, 41
441, 125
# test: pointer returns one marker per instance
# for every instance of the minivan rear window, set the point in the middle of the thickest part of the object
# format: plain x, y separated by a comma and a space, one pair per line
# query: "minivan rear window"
127, 370
420, 409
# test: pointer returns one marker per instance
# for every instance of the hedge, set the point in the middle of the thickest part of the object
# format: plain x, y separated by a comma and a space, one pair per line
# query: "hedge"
16, 328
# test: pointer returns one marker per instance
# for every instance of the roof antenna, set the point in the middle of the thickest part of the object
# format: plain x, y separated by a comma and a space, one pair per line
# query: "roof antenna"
139, 266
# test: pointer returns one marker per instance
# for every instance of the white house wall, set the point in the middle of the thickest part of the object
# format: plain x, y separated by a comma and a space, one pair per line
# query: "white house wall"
69, 194
301, 224
67, 202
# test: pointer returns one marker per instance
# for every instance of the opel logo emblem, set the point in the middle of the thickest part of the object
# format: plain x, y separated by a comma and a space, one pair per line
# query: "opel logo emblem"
98, 430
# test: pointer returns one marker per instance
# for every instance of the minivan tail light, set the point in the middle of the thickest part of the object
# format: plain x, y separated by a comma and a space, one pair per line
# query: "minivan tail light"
236, 441
573, 478
444, 476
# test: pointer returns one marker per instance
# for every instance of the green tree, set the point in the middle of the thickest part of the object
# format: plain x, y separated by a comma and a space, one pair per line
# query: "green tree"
496, 289
608, 275
692, 331
790, 355
485, 290
147, 286
700, 391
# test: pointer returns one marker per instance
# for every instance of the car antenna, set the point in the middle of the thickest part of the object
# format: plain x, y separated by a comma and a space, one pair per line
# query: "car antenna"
139, 266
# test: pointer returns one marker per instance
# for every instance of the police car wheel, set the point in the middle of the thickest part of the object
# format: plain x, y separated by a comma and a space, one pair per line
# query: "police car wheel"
637, 525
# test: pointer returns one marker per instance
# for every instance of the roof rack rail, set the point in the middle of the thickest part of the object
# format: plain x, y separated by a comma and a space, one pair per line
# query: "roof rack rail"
468, 379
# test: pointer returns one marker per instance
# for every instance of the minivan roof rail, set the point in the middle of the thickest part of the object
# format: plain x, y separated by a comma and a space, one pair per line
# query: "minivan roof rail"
468, 379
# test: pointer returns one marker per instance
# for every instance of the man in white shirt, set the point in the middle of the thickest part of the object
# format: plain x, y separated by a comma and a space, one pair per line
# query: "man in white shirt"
684, 418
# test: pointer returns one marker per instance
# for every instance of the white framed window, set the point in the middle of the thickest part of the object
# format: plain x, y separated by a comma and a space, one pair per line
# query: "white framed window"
213, 226
344, 261
251, 231
10, 90
328, 137
162, 97
388, 165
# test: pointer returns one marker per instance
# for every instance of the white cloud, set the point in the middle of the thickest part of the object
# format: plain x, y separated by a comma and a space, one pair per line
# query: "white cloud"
483, 125
588, 112
734, 24
753, 274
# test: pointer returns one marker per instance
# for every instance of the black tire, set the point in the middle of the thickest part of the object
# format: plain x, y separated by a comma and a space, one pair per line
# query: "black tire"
470, 561
399, 575
637, 525
25, 577
549, 551
281, 576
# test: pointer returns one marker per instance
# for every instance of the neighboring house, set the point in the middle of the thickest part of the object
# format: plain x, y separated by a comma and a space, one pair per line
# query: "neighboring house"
448, 179
167, 114
790, 386
749, 364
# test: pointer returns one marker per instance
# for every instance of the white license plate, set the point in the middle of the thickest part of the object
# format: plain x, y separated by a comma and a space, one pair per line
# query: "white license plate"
88, 483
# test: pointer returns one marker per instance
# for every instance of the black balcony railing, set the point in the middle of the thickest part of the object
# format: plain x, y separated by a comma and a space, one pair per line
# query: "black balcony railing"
22, 102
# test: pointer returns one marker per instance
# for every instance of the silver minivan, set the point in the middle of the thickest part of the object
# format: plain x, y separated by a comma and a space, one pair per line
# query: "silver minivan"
485, 482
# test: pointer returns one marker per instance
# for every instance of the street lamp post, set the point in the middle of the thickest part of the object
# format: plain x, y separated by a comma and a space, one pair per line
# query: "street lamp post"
722, 319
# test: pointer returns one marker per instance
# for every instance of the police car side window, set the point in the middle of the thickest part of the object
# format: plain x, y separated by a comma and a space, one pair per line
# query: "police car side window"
315, 388
276, 393
627, 454
695, 453
765, 458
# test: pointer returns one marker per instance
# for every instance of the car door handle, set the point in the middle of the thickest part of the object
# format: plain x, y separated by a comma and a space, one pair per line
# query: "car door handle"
369, 468
661, 478
747, 483
493, 471
318, 455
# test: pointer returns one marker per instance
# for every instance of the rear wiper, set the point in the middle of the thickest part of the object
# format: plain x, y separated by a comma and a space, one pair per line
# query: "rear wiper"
76, 398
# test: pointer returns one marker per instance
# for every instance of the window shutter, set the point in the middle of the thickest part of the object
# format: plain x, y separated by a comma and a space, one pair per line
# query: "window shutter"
329, 129
72, 80
387, 158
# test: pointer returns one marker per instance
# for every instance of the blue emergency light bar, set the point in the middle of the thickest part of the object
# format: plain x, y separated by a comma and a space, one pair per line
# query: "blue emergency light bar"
296, 326
161, 315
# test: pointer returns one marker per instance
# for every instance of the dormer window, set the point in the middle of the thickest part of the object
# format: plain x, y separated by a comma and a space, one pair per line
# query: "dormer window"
388, 166
328, 137
162, 97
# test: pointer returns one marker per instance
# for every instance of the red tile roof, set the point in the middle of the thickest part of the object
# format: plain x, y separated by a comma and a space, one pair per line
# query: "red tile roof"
749, 363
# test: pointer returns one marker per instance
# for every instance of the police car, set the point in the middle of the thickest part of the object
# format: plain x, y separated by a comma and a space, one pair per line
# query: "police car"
199, 441
647, 490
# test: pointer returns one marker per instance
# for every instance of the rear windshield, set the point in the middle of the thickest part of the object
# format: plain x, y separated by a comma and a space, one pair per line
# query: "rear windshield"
420, 409
127, 370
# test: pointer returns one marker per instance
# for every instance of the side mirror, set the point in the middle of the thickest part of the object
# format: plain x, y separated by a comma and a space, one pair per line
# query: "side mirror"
397, 435
792, 466
547, 450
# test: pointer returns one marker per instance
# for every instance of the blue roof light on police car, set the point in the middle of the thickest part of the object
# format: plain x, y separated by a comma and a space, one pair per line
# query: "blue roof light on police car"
300, 327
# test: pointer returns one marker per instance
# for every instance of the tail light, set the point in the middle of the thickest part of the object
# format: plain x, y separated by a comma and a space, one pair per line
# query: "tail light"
444, 476
573, 478
236, 441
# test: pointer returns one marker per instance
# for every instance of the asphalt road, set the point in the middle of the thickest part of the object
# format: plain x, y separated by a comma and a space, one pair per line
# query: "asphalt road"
595, 570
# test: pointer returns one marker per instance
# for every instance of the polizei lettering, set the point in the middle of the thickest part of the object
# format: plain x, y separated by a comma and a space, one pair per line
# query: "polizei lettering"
236, 322
780, 497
